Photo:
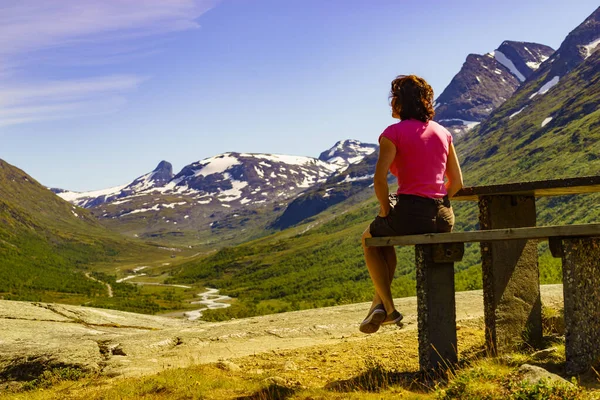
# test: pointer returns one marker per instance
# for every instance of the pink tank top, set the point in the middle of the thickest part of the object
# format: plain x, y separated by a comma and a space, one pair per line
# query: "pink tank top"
421, 155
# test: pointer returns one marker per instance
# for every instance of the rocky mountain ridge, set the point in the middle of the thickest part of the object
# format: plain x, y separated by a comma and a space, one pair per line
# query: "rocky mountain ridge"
486, 81
579, 45
227, 190
548, 129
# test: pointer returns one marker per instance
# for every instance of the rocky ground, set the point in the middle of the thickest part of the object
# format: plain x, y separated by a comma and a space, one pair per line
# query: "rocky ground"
114, 343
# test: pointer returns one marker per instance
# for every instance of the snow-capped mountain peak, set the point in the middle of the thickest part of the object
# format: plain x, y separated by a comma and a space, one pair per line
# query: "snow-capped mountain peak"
161, 175
224, 179
346, 152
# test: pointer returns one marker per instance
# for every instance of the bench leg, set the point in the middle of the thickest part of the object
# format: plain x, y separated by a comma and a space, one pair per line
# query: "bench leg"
581, 287
436, 305
511, 289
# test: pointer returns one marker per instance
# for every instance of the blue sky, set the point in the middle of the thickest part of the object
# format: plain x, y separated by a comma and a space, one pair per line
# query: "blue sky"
94, 94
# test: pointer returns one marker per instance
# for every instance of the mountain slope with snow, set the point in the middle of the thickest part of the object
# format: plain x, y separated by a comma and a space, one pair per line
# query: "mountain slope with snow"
485, 82
217, 194
346, 152
549, 128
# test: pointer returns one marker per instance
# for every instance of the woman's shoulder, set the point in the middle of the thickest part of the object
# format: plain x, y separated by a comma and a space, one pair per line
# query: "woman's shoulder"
436, 126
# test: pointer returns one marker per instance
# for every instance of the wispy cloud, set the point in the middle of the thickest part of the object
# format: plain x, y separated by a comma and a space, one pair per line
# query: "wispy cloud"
38, 33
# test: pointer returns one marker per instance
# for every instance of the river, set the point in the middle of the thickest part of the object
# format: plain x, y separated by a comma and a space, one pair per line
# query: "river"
211, 300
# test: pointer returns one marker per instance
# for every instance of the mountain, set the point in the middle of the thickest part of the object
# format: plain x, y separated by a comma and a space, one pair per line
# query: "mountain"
346, 152
231, 194
46, 243
550, 135
577, 48
486, 81
337, 188
549, 129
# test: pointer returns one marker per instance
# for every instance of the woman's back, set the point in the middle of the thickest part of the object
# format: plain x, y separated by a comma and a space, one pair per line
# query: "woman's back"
421, 157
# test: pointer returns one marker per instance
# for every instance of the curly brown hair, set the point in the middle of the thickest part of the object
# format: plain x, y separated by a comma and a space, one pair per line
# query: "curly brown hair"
412, 97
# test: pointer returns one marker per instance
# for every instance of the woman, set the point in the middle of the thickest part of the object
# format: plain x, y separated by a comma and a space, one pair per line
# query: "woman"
420, 153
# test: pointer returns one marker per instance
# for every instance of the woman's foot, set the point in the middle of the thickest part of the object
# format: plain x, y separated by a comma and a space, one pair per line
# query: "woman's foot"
374, 319
393, 318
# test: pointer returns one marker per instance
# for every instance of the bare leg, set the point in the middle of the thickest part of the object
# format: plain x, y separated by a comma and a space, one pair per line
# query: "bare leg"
380, 273
389, 255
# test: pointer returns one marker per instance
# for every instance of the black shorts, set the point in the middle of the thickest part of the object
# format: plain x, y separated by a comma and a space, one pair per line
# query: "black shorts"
414, 215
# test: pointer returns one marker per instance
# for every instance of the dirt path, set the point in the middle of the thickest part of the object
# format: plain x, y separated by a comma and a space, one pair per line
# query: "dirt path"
133, 344
108, 287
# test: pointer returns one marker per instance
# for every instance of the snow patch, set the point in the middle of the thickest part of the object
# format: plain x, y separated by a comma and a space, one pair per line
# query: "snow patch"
547, 86
73, 196
516, 113
546, 121
235, 192
217, 165
121, 201
357, 178
469, 124
141, 210
502, 59
327, 192
172, 205
590, 47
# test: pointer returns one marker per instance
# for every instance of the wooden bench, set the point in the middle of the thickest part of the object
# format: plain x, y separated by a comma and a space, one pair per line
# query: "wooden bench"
512, 302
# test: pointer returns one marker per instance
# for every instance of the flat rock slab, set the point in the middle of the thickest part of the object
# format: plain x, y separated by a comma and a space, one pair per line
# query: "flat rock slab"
126, 344
532, 374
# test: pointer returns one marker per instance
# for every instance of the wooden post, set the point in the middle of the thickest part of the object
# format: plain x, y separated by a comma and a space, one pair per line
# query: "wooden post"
436, 304
581, 289
511, 289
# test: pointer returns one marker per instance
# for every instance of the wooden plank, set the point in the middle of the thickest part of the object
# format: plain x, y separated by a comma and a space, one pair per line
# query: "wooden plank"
536, 232
553, 187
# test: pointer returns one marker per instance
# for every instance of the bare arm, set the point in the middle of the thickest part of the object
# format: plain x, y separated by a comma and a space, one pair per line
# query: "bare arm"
387, 153
453, 173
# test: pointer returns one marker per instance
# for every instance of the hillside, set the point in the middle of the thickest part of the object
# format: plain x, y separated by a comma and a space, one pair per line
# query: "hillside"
46, 244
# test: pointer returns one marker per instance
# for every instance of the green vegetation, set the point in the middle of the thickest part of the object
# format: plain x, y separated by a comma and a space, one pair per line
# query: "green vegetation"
321, 267
47, 245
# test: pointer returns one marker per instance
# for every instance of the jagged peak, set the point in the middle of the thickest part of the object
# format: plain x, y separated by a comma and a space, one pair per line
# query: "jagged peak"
163, 166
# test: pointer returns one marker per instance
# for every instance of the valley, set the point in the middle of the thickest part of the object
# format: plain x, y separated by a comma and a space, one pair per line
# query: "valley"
277, 233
